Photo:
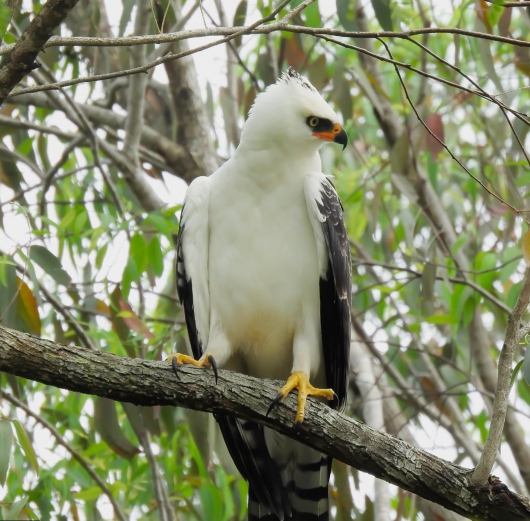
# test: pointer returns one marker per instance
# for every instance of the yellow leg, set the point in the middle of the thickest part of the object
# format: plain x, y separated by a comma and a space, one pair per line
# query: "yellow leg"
299, 380
206, 361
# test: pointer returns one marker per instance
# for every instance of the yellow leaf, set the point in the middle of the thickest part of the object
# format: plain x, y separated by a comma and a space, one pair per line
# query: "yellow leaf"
28, 308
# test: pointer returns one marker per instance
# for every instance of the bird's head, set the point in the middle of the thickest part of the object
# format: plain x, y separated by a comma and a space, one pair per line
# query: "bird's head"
292, 114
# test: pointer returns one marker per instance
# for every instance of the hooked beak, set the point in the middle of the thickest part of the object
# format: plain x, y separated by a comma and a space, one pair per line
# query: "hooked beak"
337, 135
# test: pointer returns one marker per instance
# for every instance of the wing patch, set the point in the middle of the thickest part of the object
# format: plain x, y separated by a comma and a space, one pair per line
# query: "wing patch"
333, 247
192, 263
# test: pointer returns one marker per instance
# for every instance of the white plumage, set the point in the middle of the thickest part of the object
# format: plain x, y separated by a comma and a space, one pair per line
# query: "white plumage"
263, 260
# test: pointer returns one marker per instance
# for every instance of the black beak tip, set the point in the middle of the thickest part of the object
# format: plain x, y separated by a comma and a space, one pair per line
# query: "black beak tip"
341, 138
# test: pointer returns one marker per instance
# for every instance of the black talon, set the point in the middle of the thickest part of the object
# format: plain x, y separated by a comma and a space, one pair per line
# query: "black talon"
175, 366
298, 424
213, 363
274, 403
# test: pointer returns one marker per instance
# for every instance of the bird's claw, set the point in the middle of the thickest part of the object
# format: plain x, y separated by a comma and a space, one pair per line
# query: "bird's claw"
274, 403
213, 363
175, 366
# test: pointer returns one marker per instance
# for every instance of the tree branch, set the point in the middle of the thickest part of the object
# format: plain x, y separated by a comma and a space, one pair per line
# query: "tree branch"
21, 60
149, 383
500, 405
178, 159
127, 41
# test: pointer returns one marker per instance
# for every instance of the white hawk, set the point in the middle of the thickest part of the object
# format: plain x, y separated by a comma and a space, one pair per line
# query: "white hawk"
264, 275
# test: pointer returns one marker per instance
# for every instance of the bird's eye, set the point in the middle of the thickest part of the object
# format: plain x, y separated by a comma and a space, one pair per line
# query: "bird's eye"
313, 121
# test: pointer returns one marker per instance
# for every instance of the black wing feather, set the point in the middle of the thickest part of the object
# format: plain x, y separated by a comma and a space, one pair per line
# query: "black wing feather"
185, 293
335, 295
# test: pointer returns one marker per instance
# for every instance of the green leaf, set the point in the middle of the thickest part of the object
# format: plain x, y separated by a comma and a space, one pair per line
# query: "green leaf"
516, 370
239, 20
100, 255
439, 319
130, 274
486, 262
138, 251
67, 220
513, 294
526, 366
50, 264
80, 222
357, 220
383, 14
3, 263
346, 14
7, 10
89, 494
16, 508
25, 444
8, 309
160, 223
6, 440
155, 256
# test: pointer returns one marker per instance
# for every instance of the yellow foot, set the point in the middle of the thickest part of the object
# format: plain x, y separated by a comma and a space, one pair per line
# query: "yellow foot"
206, 361
300, 381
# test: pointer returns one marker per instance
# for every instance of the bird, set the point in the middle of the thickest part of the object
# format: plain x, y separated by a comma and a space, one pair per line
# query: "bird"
264, 276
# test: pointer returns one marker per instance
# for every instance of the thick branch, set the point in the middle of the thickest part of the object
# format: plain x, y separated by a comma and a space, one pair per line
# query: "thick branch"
151, 383
178, 159
21, 60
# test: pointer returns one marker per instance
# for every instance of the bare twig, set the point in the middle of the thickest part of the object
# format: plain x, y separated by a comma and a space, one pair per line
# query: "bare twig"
500, 405
127, 41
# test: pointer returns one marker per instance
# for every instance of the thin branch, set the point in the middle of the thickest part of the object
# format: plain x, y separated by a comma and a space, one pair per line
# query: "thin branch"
434, 136
136, 89
127, 41
296, 11
522, 3
28, 125
455, 280
500, 405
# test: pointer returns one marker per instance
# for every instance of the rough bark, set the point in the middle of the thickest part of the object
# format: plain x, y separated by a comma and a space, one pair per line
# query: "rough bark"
149, 383
21, 60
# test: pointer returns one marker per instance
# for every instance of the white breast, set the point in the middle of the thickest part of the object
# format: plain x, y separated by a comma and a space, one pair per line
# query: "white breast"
263, 267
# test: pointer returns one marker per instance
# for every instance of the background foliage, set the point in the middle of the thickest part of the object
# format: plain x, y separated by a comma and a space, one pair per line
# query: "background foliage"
434, 186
